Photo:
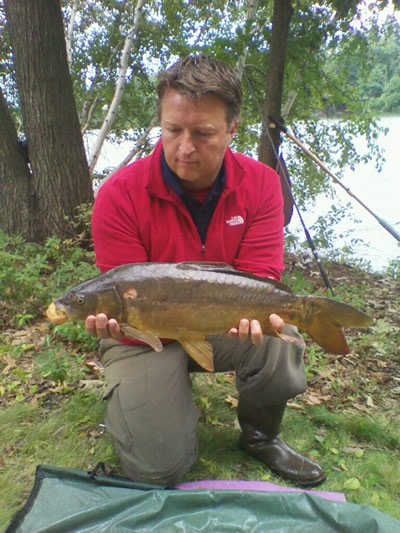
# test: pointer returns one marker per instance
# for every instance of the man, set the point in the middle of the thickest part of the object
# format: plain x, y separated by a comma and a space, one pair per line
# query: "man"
193, 199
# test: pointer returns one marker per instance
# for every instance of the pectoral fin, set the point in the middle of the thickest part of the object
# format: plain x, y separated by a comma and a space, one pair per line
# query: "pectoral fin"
145, 336
201, 351
288, 338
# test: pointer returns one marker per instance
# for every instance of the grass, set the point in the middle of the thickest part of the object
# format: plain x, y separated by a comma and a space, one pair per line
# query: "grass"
360, 455
50, 391
65, 434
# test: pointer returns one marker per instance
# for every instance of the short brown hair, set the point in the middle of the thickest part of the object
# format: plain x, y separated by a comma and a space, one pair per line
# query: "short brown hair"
198, 75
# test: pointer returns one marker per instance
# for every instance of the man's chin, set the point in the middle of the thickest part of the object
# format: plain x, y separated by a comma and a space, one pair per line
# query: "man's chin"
188, 178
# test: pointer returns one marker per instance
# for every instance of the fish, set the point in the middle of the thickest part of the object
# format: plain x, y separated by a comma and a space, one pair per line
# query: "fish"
190, 301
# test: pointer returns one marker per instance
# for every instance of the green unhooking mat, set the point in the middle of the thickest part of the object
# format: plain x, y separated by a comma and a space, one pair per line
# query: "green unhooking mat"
65, 500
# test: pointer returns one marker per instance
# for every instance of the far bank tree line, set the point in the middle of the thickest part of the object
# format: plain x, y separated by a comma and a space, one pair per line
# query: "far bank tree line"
70, 67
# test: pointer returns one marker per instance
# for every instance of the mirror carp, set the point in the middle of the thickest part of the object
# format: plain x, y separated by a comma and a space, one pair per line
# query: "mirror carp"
192, 300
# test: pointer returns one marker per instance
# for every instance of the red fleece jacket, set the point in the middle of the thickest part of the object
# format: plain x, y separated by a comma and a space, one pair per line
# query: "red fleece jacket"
137, 217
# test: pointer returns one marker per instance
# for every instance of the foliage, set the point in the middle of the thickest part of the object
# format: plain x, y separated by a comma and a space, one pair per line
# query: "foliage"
378, 78
31, 274
393, 269
56, 365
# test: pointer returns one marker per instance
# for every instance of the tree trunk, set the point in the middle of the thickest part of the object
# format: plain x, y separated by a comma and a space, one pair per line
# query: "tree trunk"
15, 176
282, 14
60, 179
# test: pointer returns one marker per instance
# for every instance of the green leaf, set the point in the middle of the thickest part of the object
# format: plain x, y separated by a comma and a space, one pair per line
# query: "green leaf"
375, 498
205, 402
352, 484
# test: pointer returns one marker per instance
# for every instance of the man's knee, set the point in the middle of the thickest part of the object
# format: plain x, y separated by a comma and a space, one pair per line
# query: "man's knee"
164, 467
276, 372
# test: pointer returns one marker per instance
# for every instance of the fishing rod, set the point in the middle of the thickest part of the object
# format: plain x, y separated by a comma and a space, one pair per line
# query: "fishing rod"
289, 189
312, 156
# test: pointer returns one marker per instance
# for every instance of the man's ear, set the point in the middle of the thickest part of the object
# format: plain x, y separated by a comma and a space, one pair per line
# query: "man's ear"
233, 128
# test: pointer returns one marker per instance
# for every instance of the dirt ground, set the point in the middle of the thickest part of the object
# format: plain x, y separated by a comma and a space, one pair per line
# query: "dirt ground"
370, 374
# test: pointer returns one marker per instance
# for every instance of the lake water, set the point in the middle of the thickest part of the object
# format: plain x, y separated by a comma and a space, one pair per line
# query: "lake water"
379, 191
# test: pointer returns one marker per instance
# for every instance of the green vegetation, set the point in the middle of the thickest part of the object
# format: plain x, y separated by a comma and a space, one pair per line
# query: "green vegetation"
369, 62
51, 384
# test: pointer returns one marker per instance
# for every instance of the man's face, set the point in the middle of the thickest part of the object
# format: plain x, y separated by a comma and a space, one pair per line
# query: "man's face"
195, 136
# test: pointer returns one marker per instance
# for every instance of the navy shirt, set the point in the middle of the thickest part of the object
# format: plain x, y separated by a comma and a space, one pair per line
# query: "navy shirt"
201, 213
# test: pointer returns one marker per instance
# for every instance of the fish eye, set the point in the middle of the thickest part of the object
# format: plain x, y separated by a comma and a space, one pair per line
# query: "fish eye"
80, 299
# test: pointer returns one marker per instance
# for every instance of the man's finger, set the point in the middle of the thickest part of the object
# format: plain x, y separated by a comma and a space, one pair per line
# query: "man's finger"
277, 322
256, 332
102, 326
232, 333
244, 329
90, 325
114, 329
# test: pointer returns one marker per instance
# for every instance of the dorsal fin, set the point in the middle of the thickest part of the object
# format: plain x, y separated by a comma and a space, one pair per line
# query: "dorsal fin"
223, 268
206, 266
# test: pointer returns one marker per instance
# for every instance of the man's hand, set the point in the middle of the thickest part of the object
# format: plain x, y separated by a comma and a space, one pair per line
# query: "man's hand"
103, 328
253, 329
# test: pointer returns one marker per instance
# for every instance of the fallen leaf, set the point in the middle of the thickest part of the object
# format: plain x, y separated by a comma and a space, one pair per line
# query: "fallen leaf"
233, 402
370, 402
311, 398
293, 405
94, 368
10, 364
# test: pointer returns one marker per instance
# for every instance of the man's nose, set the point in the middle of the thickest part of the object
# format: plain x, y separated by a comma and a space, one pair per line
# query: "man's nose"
187, 145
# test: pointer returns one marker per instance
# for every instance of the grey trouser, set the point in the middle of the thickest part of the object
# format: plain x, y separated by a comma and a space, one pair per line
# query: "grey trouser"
150, 412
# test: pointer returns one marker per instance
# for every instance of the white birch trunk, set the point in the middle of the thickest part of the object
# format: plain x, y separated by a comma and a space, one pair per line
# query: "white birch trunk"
68, 37
251, 13
88, 108
137, 150
139, 143
119, 89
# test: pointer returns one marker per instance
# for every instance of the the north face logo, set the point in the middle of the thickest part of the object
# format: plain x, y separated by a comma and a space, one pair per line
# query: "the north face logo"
235, 221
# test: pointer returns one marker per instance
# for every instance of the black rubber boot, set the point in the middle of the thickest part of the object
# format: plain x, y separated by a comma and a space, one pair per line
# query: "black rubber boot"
259, 438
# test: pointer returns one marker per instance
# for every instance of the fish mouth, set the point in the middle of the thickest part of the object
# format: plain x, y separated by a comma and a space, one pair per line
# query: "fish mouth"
56, 313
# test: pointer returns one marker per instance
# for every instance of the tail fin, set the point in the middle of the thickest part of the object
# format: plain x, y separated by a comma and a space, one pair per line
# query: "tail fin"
326, 319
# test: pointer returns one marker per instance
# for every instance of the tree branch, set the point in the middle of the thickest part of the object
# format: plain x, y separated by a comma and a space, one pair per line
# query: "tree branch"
138, 149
